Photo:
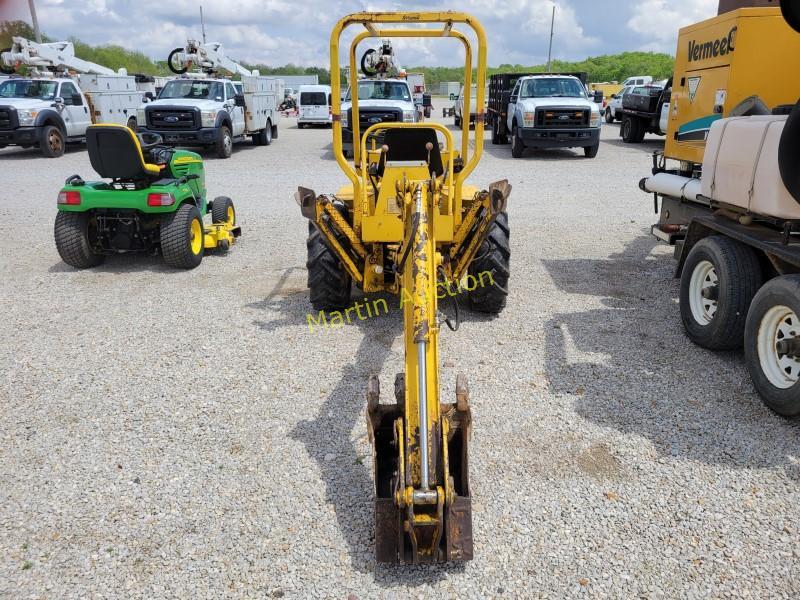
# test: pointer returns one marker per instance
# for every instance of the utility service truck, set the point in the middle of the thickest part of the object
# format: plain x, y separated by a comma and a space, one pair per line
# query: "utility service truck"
383, 97
729, 191
645, 109
538, 110
204, 109
60, 96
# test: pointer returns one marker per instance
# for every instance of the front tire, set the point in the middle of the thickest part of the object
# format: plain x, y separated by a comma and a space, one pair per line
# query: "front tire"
772, 352
609, 116
52, 142
224, 145
328, 281
718, 283
182, 237
490, 269
517, 146
591, 151
73, 240
223, 211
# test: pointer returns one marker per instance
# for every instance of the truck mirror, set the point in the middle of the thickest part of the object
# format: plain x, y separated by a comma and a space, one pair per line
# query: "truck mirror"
238, 99
149, 96
58, 101
77, 100
598, 96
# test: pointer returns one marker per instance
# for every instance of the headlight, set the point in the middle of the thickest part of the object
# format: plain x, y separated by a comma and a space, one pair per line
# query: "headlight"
208, 117
408, 116
141, 117
597, 119
344, 119
529, 119
26, 117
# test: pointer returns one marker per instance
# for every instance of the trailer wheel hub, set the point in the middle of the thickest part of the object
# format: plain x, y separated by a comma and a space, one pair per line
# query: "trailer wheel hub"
777, 347
703, 292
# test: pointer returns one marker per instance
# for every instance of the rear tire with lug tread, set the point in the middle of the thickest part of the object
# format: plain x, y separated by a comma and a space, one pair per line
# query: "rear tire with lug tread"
517, 146
328, 281
73, 240
223, 211
731, 274
774, 317
224, 145
493, 258
182, 237
52, 142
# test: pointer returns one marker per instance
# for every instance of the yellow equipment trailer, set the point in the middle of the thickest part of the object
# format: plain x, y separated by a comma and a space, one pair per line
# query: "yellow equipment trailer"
723, 66
409, 224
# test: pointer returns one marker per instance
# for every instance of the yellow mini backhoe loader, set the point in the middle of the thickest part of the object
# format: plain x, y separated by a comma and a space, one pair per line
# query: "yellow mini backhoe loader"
408, 224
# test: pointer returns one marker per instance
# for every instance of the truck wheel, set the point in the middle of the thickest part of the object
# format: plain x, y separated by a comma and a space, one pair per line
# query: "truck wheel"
718, 283
328, 281
458, 121
222, 211
490, 269
772, 344
224, 145
495, 131
52, 142
182, 237
266, 135
609, 116
132, 124
517, 146
73, 233
591, 151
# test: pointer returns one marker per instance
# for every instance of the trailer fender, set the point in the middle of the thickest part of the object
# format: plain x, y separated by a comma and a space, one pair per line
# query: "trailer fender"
50, 116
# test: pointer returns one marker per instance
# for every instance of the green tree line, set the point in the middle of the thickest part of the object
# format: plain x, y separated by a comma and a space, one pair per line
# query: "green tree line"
609, 67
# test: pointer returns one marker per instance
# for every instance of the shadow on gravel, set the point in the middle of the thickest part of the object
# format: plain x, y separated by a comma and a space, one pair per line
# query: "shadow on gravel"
553, 155
132, 263
346, 473
631, 368
17, 153
648, 146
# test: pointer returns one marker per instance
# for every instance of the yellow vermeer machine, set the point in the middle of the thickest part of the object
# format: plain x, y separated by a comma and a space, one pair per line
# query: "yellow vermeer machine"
409, 224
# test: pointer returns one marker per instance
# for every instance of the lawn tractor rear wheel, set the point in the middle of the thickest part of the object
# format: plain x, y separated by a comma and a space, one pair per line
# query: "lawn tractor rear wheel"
490, 269
222, 211
224, 145
328, 281
182, 237
73, 232
718, 282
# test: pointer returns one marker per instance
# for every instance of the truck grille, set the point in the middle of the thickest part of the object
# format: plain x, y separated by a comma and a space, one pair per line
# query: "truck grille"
8, 117
368, 117
173, 119
557, 118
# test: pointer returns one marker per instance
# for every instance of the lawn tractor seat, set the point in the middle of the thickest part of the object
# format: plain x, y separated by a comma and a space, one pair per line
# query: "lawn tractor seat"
116, 153
409, 145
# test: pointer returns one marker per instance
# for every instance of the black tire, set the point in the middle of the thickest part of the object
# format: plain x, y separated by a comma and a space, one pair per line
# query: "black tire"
177, 237
328, 281
176, 70
490, 269
219, 210
3, 68
718, 324
72, 233
517, 145
52, 141
224, 144
632, 130
495, 130
266, 134
591, 151
457, 121
760, 345
132, 124
609, 115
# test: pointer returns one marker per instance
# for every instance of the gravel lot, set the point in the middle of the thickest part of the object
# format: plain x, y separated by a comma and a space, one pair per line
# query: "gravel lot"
182, 434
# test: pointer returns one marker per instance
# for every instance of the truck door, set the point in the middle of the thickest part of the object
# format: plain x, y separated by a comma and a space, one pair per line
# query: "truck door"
236, 112
75, 112
512, 104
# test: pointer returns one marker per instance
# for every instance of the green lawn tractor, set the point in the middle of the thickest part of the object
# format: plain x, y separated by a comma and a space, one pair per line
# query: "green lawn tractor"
154, 202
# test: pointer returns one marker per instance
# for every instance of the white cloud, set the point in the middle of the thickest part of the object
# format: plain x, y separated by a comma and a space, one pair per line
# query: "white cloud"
658, 21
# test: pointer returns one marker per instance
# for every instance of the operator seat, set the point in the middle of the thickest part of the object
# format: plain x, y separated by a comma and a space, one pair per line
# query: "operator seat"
116, 153
408, 144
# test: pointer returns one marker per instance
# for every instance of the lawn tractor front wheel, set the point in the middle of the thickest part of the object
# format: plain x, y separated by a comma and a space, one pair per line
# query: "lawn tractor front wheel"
222, 211
490, 269
328, 281
182, 237
73, 232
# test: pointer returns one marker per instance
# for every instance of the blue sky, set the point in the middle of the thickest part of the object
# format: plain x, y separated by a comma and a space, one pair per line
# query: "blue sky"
280, 31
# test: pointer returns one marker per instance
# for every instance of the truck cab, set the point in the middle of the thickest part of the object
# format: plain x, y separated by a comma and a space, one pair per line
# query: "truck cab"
552, 111
43, 112
379, 101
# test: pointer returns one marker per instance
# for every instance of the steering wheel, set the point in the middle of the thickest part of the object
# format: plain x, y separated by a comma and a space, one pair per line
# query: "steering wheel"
149, 140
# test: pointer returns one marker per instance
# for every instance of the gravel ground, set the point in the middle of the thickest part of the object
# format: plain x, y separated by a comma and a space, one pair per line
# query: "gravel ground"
182, 434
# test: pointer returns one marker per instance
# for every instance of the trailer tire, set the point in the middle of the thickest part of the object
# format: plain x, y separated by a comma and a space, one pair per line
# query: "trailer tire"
72, 240
224, 144
493, 259
591, 151
179, 243
732, 271
329, 283
774, 317
52, 141
517, 145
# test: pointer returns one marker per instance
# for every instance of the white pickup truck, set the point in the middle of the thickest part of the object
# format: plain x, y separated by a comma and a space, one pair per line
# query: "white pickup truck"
48, 112
197, 111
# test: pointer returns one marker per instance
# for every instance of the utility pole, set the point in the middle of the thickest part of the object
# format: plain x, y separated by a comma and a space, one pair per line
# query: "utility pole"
202, 23
550, 51
36, 31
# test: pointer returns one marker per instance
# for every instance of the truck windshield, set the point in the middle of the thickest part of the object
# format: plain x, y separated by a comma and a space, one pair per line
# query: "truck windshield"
552, 88
192, 90
25, 88
382, 90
